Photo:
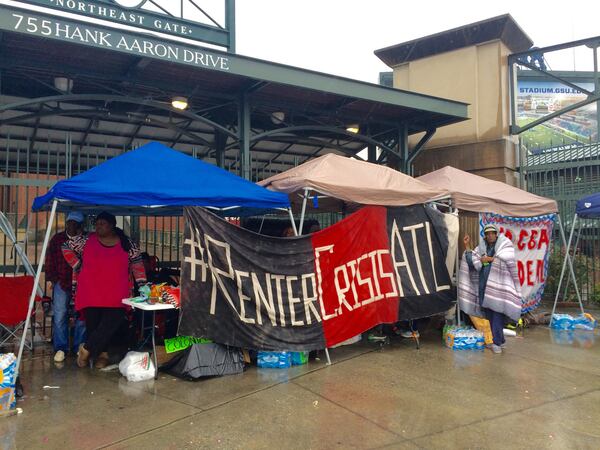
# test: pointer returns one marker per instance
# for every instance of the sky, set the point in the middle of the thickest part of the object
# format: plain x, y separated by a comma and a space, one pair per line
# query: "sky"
339, 36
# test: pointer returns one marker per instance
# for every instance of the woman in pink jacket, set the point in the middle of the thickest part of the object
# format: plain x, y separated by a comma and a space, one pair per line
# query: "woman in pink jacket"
103, 264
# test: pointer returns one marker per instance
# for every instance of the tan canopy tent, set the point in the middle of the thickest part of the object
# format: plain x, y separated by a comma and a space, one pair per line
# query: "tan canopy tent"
349, 183
353, 182
473, 193
345, 184
478, 194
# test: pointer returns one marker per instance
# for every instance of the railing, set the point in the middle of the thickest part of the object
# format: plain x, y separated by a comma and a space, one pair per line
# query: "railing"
566, 174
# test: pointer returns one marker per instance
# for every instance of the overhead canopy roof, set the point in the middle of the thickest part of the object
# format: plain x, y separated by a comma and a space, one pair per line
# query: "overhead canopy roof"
355, 182
155, 180
478, 194
121, 99
501, 27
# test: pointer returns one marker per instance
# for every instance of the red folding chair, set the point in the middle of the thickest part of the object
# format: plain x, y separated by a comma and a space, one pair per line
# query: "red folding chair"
14, 304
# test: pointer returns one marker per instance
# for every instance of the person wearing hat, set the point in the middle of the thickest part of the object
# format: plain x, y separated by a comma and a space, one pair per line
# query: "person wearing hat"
104, 263
495, 251
59, 273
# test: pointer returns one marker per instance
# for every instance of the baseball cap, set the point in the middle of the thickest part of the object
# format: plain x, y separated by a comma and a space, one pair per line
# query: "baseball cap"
489, 227
76, 216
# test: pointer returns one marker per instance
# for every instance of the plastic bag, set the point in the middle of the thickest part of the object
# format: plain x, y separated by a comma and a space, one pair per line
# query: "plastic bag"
156, 291
137, 366
299, 358
171, 295
145, 291
584, 322
483, 325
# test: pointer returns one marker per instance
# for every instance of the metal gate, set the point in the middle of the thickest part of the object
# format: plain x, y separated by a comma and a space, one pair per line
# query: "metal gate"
566, 174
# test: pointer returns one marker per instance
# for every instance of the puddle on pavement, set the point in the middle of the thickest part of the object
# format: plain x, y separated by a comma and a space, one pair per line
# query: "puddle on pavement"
575, 338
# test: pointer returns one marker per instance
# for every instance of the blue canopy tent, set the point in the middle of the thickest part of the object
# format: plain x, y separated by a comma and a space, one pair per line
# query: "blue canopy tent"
156, 180
587, 208
152, 180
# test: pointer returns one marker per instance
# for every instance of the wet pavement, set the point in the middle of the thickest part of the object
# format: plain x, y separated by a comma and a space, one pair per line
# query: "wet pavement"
542, 392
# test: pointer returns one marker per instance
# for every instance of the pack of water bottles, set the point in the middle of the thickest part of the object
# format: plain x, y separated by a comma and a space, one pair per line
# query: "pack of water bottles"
464, 338
567, 322
280, 360
8, 364
274, 360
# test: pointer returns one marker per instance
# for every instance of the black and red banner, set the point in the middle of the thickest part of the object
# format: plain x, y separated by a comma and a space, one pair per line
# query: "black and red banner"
378, 265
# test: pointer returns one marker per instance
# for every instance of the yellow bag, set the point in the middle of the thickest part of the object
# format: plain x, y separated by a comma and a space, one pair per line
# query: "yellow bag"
483, 325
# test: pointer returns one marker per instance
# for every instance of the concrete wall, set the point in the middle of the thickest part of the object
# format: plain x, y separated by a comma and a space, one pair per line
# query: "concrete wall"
491, 159
476, 75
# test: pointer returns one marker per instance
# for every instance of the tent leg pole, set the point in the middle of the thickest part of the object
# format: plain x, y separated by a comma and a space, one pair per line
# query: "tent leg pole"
457, 270
304, 199
570, 262
574, 252
292, 221
457, 263
327, 355
34, 288
564, 265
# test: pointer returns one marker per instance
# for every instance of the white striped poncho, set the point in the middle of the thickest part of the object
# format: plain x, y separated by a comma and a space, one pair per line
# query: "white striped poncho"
502, 291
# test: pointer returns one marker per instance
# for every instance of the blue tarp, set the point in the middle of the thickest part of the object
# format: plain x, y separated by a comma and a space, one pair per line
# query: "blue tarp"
589, 206
156, 180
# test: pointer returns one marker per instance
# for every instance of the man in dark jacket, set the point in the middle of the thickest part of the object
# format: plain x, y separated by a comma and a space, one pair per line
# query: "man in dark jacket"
59, 273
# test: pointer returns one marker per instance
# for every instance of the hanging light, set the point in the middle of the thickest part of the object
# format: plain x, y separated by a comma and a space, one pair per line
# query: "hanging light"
63, 84
353, 128
179, 103
277, 117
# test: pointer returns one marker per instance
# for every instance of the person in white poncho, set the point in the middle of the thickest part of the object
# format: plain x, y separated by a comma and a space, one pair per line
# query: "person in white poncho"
489, 285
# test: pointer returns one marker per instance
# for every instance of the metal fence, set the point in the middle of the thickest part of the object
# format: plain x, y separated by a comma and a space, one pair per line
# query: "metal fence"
566, 174
28, 170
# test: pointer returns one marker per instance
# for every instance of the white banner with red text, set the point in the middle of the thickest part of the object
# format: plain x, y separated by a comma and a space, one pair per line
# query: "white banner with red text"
531, 237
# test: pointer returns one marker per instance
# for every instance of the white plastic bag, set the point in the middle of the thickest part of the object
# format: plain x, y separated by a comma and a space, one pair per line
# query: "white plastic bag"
137, 366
